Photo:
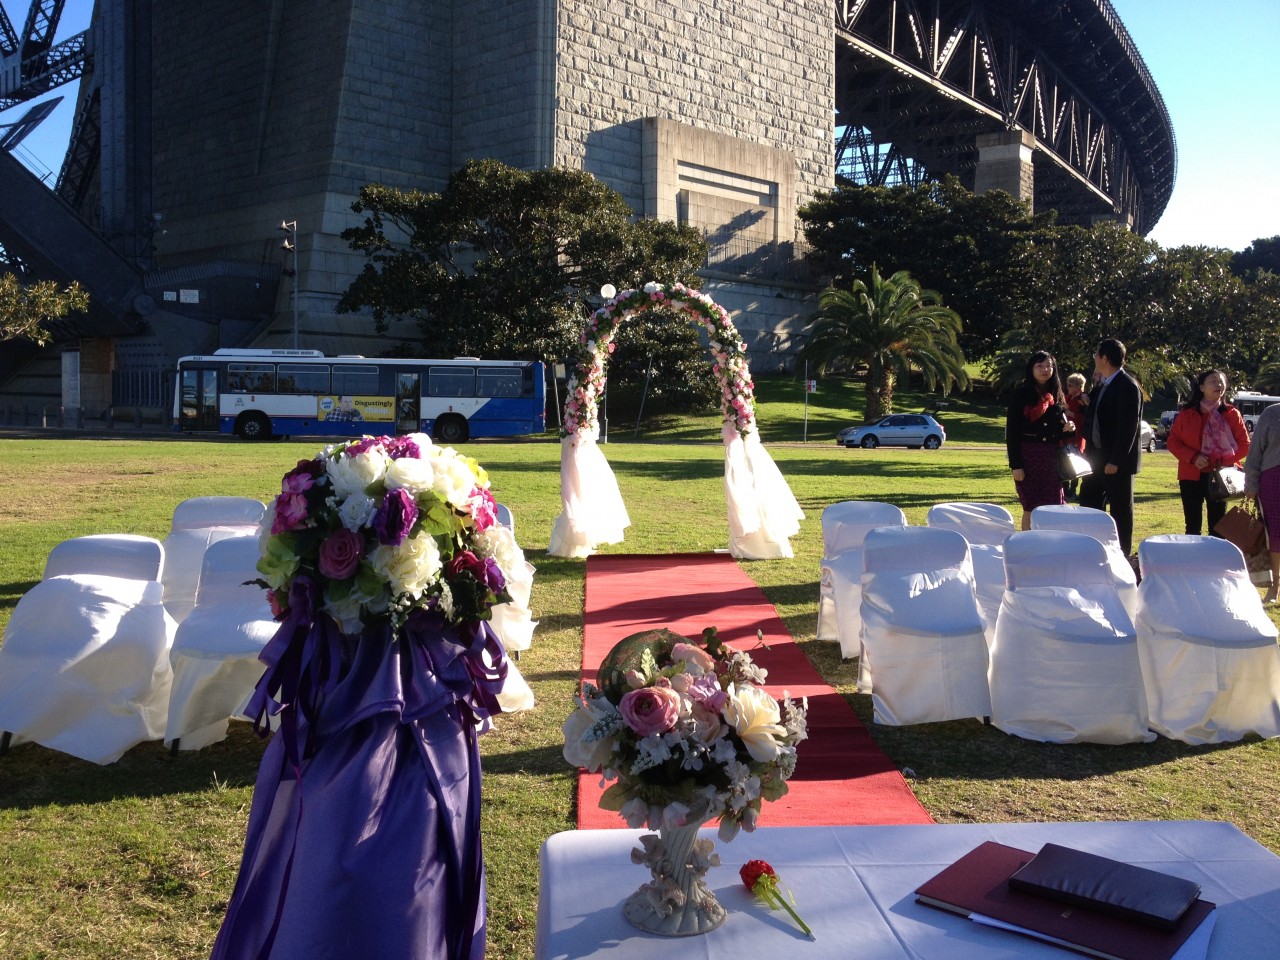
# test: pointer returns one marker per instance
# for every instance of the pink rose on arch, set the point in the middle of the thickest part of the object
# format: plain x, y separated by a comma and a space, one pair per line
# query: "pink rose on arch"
291, 512
340, 554
650, 710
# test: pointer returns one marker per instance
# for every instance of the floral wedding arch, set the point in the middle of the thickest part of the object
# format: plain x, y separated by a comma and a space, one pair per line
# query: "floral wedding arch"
763, 513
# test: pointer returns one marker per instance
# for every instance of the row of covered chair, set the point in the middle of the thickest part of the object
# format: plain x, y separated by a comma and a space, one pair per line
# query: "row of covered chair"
128, 639
1047, 632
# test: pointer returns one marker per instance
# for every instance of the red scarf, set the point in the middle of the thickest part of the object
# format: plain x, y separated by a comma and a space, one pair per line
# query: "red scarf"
1035, 411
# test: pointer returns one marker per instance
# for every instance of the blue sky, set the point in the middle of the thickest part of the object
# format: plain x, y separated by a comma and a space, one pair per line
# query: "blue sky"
1214, 64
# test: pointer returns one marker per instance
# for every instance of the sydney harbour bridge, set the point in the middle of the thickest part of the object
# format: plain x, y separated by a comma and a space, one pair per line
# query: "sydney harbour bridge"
200, 127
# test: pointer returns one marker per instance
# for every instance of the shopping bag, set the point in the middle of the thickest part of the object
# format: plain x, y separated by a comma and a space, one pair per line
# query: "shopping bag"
1072, 465
1226, 483
1244, 527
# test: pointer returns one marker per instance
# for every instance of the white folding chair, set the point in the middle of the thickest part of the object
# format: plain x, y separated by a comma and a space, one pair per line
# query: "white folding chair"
923, 636
1064, 664
986, 526
844, 527
215, 651
1099, 525
197, 523
1210, 662
123, 555
84, 663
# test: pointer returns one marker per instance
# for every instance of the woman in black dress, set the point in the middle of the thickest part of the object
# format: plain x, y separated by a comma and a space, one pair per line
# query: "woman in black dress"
1036, 426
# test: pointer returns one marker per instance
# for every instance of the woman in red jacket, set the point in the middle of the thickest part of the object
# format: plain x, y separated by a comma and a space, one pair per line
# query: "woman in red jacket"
1206, 434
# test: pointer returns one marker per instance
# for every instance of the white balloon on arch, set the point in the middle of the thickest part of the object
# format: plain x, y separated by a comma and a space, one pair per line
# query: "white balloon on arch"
763, 512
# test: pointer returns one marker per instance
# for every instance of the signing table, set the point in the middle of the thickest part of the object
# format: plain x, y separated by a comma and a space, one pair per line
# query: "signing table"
854, 886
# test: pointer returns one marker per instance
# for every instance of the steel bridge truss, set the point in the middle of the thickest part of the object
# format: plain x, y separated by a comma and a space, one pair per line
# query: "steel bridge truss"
928, 77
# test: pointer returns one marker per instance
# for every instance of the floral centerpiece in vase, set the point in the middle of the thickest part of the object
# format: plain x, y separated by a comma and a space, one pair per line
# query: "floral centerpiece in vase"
687, 734
382, 560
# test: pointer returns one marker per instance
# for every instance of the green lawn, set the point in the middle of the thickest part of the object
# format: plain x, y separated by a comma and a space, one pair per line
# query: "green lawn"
137, 860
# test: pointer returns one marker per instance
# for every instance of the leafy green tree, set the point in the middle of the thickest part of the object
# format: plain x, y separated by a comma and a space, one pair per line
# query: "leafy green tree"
890, 324
505, 261
979, 251
25, 310
1262, 254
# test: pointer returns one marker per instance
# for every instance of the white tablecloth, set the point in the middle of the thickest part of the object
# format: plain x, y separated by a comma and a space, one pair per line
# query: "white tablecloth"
854, 886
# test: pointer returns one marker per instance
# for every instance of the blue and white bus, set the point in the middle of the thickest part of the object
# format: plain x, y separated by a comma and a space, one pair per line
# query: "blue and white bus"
257, 394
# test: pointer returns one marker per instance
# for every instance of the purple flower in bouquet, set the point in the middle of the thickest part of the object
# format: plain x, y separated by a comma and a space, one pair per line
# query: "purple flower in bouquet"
395, 517
650, 710
400, 447
300, 479
290, 513
484, 570
340, 554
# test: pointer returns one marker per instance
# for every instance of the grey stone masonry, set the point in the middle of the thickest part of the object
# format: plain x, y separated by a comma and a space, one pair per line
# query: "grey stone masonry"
762, 72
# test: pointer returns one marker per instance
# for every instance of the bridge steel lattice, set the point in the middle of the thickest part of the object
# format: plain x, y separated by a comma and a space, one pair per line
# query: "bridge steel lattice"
918, 80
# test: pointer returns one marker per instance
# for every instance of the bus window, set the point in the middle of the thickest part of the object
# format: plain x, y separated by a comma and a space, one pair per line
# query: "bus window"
497, 382
451, 382
355, 380
305, 378
251, 378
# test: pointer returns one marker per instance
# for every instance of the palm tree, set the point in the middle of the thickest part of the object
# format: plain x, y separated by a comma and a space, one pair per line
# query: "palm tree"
891, 325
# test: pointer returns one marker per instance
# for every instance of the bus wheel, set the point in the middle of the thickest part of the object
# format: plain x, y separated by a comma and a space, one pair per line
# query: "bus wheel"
253, 426
451, 429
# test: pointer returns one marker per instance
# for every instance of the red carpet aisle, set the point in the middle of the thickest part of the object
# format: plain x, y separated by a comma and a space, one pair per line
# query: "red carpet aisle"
841, 778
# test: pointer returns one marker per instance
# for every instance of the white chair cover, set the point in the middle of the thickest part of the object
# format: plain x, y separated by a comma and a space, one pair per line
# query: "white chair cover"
1064, 665
922, 633
84, 665
198, 523
981, 524
593, 512
986, 526
215, 651
1099, 525
763, 513
1210, 662
840, 582
513, 622
124, 555
505, 517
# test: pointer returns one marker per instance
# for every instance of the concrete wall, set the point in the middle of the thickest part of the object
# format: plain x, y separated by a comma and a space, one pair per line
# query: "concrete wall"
270, 110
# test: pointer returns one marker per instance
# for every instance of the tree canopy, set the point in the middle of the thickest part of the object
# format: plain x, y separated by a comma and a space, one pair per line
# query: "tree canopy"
1022, 282
26, 309
507, 261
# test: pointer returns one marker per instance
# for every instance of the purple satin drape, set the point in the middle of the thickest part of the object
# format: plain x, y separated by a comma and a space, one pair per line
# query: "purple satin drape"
364, 833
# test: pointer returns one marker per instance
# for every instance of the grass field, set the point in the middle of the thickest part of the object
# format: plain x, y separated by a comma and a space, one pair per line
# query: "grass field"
137, 859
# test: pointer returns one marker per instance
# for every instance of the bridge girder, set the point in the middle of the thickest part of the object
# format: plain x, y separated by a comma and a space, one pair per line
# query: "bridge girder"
928, 75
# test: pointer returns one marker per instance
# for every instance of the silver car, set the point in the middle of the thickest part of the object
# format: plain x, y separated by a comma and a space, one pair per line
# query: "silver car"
914, 430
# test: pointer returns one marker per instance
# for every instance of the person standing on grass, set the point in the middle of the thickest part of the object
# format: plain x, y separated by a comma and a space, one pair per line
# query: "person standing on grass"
1077, 402
1262, 483
1111, 440
1034, 429
1207, 433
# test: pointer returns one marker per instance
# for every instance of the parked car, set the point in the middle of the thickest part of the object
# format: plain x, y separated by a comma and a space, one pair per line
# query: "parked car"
1146, 437
1165, 424
914, 430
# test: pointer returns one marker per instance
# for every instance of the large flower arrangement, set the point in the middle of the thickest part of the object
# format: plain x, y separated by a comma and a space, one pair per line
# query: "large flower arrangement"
728, 353
689, 733
384, 526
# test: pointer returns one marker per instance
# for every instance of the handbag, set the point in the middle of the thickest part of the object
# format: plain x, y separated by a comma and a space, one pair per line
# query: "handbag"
1226, 483
1072, 464
1243, 526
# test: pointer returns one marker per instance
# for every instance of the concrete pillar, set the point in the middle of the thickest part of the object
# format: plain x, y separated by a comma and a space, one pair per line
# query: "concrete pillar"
97, 361
1004, 163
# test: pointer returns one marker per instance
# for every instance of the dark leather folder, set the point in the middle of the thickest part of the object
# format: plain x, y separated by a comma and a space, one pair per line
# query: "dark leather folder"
1106, 885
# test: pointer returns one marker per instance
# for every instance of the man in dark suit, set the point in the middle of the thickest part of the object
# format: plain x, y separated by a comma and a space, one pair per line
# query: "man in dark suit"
1111, 440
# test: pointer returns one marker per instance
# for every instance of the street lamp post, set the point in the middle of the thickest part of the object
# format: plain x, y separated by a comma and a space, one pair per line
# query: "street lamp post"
290, 245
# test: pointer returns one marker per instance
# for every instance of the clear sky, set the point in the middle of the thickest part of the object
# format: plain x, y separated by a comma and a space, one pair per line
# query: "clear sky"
1214, 63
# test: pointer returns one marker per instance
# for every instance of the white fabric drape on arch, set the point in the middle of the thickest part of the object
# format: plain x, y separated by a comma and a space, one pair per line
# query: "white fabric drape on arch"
763, 513
593, 512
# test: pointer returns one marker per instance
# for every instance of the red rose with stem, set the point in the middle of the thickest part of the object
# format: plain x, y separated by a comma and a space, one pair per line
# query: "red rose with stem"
762, 880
